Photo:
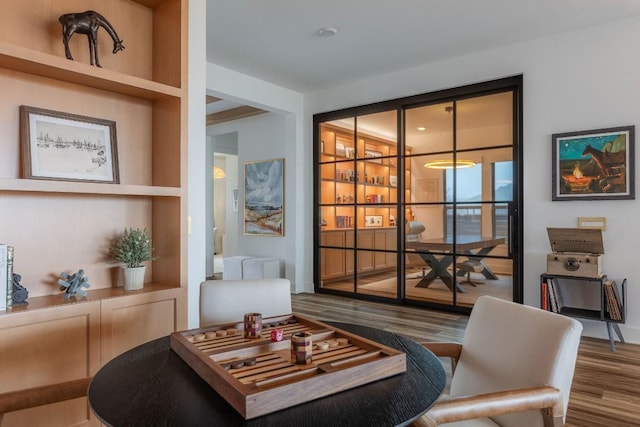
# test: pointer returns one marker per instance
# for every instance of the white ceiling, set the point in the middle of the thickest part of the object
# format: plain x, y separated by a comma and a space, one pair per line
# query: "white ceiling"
276, 41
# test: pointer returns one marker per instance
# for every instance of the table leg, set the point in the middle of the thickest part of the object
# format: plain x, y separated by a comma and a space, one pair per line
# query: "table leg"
438, 271
476, 257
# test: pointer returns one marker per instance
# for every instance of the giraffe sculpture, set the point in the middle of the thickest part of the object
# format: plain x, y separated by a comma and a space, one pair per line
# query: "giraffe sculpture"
87, 23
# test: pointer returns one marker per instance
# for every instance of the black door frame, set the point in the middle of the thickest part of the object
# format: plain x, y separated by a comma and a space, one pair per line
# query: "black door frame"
513, 84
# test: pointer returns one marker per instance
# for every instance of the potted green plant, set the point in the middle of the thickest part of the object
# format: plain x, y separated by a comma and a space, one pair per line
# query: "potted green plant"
133, 248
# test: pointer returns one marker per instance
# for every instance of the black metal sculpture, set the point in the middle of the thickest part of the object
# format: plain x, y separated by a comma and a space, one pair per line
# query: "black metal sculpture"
87, 23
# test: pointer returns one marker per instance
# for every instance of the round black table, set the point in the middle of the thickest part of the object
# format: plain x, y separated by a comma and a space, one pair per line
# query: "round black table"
151, 385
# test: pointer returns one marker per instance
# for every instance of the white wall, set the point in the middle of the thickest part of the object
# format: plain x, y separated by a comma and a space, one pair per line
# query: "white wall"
196, 158
581, 80
586, 79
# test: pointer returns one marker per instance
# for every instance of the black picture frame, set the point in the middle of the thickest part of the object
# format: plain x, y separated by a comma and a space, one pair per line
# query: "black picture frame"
597, 164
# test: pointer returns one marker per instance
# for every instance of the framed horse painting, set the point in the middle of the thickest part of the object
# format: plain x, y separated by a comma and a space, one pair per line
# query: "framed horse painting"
594, 164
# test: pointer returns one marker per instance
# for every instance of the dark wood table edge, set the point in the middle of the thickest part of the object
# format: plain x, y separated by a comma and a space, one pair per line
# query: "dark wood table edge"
413, 350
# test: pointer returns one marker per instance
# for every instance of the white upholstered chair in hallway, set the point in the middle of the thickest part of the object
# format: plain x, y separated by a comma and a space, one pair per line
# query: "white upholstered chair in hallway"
514, 368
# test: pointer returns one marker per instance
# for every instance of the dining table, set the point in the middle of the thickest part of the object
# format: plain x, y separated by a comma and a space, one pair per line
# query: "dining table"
438, 254
150, 385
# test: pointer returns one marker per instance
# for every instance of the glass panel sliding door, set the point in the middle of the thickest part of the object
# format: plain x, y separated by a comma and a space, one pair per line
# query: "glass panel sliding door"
359, 196
464, 154
418, 199
429, 138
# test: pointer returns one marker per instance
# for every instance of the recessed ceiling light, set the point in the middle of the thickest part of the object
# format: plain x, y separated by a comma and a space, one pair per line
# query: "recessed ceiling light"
421, 128
327, 31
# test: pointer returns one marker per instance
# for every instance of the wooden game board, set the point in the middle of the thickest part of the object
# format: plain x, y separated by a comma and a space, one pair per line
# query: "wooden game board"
257, 377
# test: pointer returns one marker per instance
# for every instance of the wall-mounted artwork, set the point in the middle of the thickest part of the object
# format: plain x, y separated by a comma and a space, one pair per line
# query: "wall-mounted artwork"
594, 165
373, 221
69, 147
264, 198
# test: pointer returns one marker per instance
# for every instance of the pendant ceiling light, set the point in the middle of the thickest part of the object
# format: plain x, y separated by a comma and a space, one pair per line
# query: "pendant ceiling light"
449, 163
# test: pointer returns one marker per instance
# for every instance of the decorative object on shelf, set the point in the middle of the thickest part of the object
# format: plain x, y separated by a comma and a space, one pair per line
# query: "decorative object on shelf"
133, 248
576, 252
350, 152
88, 23
373, 220
264, 198
373, 156
20, 293
67, 147
594, 164
72, 284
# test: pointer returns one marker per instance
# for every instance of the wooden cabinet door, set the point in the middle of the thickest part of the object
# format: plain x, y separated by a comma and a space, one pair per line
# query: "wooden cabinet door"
365, 258
349, 263
129, 321
332, 261
49, 346
385, 239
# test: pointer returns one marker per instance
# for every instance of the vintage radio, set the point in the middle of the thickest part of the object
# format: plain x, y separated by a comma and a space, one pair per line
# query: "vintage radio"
577, 252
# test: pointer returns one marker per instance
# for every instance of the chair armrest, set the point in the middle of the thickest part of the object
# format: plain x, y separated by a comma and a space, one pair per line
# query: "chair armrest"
547, 399
445, 349
37, 396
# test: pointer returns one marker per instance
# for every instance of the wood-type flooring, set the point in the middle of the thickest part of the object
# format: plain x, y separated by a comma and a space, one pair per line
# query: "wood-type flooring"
606, 385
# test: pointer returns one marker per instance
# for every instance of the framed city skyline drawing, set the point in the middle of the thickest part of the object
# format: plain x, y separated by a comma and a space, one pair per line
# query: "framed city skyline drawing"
264, 198
594, 164
67, 147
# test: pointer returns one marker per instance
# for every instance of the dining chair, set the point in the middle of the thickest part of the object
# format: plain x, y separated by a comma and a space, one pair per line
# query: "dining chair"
514, 368
226, 301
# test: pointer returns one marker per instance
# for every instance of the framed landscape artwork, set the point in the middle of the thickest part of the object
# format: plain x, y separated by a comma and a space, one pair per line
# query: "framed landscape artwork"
264, 198
69, 147
594, 165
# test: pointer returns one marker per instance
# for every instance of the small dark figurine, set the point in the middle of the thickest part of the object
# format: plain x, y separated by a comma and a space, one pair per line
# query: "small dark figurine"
87, 23
20, 293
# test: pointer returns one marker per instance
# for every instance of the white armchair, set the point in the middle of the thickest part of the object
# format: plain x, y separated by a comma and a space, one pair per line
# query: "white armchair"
514, 368
226, 301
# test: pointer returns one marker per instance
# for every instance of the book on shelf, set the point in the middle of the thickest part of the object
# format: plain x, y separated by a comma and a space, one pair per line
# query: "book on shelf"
555, 296
612, 299
552, 296
4, 285
9, 276
6, 276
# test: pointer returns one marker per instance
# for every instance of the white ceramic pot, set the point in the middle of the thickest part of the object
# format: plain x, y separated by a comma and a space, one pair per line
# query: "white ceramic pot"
133, 278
